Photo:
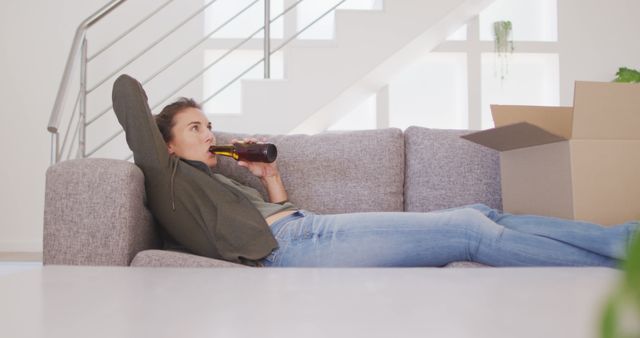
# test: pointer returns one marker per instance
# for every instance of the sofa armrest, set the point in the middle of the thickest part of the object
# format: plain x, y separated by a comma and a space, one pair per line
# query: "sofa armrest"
168, 259
95, 213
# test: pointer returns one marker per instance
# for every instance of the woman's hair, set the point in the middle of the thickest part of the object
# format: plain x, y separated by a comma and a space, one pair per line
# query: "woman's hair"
164, 119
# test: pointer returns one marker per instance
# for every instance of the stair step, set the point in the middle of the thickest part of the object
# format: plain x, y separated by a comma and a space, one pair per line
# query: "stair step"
370, 47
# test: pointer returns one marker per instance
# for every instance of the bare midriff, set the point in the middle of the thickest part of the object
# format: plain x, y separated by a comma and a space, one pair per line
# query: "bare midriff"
278, 216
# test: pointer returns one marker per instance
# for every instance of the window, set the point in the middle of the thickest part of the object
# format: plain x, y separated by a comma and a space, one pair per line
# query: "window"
431, 93
246, 23
324, 29
532, 20
459, 35
453, 86
533, 79
450, 87
361, 118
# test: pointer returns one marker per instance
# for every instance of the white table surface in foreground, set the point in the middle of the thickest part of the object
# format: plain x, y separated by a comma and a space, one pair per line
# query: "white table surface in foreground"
57, 301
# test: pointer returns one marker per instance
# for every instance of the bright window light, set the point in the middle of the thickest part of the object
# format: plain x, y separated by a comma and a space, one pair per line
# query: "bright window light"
532, 20
245, 24
361, 118
459, 35
431, 93
324, 28
532, 79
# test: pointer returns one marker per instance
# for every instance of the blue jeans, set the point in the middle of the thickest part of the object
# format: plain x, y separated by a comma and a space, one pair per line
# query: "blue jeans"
472, 233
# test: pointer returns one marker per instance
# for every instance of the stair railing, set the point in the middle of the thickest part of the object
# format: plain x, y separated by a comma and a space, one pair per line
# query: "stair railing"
79, 52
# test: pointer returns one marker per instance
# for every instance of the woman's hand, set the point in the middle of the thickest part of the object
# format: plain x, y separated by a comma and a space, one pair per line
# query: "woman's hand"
259, 169
268, 174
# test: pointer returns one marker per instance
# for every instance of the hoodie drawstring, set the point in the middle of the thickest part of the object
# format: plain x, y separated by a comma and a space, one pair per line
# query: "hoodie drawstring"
173, 176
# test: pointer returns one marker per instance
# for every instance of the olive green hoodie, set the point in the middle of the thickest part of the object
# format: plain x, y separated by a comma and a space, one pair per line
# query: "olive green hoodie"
202, 214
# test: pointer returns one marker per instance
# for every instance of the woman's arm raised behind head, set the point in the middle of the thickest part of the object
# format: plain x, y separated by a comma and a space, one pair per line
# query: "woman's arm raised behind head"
133, 113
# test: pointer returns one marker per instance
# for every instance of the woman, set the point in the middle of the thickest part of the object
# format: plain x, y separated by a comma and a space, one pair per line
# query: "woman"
217, 217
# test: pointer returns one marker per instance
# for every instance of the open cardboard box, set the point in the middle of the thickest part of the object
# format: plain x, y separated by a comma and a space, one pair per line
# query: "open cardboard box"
580, 162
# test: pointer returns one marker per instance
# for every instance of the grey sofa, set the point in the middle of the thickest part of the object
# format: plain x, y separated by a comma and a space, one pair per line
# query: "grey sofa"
95, 210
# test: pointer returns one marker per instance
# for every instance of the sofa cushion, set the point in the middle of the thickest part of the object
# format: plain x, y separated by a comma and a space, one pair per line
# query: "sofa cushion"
445, 171
334, 172
169, 259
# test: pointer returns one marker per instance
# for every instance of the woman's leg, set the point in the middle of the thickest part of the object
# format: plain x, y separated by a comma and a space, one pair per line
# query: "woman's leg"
416, 239
610, 241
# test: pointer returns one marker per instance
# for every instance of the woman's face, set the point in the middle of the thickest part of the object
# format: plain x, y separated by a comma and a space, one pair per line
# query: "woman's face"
192, 137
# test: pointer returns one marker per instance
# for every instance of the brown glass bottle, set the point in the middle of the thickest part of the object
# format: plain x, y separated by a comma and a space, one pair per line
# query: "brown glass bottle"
250, 152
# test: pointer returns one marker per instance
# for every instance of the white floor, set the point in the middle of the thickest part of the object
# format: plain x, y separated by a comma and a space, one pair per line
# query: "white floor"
7, 268
73, 301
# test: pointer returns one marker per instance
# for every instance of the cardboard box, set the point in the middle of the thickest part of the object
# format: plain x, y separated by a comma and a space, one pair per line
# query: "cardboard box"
580, 162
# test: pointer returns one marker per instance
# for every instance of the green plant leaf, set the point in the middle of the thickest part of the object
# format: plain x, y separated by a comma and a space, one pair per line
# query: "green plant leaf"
625, 301
608, 324
627, 75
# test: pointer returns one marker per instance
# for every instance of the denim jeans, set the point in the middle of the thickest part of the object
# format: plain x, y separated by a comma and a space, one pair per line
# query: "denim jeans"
472, 233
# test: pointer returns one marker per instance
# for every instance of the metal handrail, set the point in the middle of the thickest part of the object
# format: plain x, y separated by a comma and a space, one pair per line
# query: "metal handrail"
234, 48
54, 119
271, 52
205, 38
153, 44
80, 45
73, 139
54, 147
176, 59
82, 110
198, 74
266, 46
131, 29
66, 134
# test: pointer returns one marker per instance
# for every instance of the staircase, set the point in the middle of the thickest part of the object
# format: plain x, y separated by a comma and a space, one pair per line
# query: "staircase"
321, 83
324, 82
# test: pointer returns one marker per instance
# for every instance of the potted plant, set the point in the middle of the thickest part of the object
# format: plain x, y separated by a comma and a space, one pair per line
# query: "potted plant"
503, 44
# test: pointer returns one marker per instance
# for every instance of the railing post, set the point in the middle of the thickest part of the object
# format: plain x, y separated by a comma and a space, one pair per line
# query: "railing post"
55, 117
55, 152
267, 39
83, 100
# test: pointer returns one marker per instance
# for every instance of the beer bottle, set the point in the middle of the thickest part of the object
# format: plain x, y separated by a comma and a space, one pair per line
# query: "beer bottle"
250, 152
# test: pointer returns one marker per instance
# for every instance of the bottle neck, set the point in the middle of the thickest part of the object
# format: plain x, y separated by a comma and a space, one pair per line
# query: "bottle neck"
227, 150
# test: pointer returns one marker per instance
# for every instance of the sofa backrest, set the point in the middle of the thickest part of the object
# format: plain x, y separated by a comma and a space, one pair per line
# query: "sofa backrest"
379, 170
334, 172
443, 171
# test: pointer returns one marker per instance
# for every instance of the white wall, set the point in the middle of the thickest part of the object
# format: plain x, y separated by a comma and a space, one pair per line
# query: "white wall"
595, 37
35, 36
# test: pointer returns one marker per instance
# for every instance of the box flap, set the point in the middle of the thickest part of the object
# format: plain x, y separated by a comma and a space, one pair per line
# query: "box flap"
513, 136
604, 110
555, 120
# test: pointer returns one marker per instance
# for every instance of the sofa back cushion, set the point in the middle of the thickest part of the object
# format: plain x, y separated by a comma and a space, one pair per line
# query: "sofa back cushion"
333, 172
445, 171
